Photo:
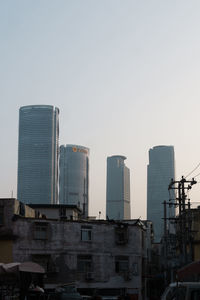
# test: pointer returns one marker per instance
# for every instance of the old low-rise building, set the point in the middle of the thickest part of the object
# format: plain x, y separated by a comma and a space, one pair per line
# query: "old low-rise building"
95, 254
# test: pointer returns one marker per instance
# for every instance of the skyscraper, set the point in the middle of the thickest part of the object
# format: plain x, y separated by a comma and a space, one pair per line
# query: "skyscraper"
118, 188
74, 176
159, 173
38, 154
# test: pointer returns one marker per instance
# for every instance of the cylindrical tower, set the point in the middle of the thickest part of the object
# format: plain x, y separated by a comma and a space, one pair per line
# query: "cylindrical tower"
38, 154
74, 176
117, 188
160, 171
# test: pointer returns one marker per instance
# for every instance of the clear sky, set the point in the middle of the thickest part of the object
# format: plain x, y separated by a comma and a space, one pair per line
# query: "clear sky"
125, 75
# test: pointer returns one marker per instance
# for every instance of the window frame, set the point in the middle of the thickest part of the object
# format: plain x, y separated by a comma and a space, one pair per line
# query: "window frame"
41, 231
121, 234
120, 262
84, 263
86, 233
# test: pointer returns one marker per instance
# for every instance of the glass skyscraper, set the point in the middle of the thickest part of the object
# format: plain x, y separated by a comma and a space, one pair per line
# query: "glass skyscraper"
38, 154
117, 189
74, 176
160, 170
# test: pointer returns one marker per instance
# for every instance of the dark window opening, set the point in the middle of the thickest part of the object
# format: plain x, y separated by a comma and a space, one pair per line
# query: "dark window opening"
41, 231
86, 233
121, 264
121, 235
84, 263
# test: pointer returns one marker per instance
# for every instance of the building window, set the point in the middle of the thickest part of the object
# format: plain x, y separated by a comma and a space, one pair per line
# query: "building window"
121, 234
86, 233
121, 264
84, 263
1, 215
41, 231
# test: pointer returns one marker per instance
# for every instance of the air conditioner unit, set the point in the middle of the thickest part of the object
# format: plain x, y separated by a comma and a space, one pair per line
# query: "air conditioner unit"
89, 276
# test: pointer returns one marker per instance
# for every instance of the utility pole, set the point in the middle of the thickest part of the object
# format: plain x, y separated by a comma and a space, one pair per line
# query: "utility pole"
183, 219
165, 243
169, 243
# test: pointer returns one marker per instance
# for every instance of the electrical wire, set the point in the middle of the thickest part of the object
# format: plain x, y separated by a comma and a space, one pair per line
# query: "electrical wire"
197, 175
193, 170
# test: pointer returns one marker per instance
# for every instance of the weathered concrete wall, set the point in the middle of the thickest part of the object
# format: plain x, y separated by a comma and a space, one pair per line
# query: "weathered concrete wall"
64, 244
10, 207
13, 206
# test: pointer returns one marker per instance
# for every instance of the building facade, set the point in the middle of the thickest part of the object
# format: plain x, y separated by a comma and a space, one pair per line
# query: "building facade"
104, 257
99, 255
38, 154
117, 189
74, 176
160, 171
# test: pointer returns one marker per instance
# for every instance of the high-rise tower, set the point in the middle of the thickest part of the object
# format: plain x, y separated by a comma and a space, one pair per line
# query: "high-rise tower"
38, 154
160, 170
74, 176
118, 188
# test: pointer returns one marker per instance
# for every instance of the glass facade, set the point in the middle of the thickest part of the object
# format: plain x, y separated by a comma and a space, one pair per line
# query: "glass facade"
159, 173
74, 176
38, 154
118, 189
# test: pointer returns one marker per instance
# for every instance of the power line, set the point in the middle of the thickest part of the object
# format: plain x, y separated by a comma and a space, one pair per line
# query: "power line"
196, 175
193, 170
